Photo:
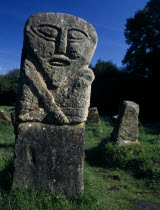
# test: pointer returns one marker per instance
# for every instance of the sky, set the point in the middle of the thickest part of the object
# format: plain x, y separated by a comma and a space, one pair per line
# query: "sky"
108, 17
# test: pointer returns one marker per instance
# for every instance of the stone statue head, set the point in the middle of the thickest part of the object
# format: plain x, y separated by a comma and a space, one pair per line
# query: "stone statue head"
58, 44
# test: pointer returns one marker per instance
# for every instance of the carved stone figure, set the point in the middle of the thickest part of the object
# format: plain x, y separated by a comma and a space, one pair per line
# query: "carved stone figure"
55, 78
53, 99
126, 129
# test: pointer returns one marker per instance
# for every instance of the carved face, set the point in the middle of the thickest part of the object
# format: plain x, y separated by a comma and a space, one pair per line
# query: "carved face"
60, 42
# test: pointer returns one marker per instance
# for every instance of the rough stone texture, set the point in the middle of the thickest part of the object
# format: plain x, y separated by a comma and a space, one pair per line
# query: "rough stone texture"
50, 157
52, 102
4, 119
93, 116
126, 127
55, 78
146, 206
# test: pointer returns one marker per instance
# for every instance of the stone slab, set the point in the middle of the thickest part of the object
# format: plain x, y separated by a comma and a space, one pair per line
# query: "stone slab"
50, 157
93, 116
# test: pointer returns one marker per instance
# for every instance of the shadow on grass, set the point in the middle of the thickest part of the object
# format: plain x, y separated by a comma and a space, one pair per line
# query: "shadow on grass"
132, 158
4, 145
6, 176
95, 156
152, 128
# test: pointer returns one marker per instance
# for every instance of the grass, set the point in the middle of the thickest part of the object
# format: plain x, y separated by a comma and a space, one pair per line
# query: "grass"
6, 109
109, 183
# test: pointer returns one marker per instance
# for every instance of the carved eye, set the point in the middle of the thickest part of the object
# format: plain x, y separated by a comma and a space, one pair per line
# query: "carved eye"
76, 35
47, 32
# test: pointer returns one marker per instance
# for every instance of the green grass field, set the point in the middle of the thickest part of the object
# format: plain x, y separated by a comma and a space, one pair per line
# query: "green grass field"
114, 178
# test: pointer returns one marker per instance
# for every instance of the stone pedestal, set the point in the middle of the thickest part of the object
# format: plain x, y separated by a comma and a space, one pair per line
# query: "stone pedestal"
50, 157
52, 102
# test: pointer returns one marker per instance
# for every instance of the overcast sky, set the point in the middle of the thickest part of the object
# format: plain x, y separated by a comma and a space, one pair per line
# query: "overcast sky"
107, 16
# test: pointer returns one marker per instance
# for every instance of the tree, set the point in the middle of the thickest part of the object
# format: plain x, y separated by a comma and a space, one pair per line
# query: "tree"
104, 67
14, 74
8, 87
143, 35
107, 87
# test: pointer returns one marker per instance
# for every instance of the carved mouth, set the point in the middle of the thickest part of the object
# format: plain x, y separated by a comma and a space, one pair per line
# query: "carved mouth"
59, 61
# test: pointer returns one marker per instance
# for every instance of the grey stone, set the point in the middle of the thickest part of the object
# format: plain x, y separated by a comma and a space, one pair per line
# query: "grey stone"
55, 78
50, 157
93, 116
52, 102
4, 119
126, 129
146, 206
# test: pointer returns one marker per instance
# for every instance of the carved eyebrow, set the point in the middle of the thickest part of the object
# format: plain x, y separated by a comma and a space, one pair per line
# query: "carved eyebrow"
75, 29
38, 29
49, 25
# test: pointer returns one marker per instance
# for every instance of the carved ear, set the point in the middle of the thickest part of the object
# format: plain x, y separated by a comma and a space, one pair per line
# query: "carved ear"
88, 75
83, 81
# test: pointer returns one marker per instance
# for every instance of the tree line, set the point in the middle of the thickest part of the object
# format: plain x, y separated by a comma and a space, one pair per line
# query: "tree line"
113, 85
8, 87
138, 79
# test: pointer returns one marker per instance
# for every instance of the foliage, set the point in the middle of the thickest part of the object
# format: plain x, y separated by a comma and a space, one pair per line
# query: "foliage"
106, 87
113, 85
104, 68
143, 36
8, 87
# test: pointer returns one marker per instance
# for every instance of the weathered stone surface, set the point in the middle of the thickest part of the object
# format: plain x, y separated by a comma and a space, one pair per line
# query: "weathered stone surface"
146, 206
4, 119
55, 78
126, 126
50, 157
93, 116
52, 102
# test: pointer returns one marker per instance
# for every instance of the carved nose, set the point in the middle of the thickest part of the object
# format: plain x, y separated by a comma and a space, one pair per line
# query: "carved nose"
62, 45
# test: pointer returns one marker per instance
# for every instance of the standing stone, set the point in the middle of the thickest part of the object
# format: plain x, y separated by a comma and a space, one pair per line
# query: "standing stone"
93, 116
52, 102
125, 131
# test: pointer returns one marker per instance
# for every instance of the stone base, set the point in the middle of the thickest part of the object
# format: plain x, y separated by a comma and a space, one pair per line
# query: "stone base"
128, 142
50, 158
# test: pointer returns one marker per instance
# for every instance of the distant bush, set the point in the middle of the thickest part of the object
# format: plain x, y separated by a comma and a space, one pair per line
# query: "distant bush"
8, 87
